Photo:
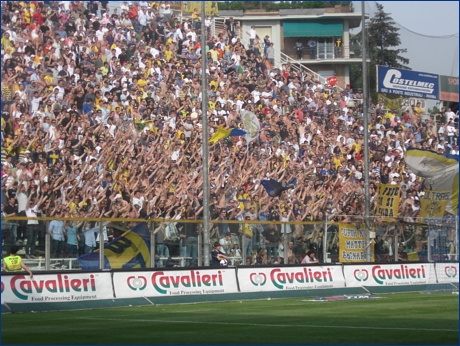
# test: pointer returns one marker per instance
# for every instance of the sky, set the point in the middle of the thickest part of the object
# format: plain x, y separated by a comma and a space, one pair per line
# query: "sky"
431, 18
418, 19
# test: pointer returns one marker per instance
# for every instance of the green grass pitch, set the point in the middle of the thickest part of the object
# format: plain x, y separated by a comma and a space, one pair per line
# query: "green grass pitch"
410, 318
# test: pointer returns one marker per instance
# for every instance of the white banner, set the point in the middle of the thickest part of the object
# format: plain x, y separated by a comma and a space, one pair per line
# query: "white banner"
447, 272
251, 125
388, 274
290, 278
52, 288
174, 283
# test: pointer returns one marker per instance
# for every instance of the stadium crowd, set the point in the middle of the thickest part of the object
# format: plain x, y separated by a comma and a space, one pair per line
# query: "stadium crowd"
102, 117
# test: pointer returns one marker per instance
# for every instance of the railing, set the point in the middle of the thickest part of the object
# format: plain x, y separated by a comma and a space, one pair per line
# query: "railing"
181, 244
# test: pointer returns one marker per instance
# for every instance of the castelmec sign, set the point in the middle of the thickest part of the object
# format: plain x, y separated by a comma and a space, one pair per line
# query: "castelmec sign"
407, 83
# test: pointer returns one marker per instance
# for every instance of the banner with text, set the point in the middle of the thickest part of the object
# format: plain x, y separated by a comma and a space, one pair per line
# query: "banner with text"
55, 288
174, 283
262, 279
388, 201
389, 275
390, 102
211, 7
433, 205
352, 243
448, 88
393, 102
407, 83
446, 272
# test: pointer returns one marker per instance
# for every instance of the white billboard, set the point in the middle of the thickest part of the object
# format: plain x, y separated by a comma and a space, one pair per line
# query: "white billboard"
389, 274
174, 283
51, 288
447, 272
259, 279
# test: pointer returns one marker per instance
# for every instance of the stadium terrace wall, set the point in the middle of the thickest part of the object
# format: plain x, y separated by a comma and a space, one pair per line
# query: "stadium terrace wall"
51, 291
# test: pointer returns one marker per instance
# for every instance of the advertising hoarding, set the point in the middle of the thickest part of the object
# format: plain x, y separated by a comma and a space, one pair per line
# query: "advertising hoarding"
262, 279
407, 83
389, 274
174, 283
447, 272
448, 88
54, 288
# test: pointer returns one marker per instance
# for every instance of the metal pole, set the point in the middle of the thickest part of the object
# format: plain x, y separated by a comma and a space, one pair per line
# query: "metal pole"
366, 139
429, 243
456, 240
285, 244
200, 249
396, 247
101, 246
243, 245
152, 245
205, 139
47, 246
325, 241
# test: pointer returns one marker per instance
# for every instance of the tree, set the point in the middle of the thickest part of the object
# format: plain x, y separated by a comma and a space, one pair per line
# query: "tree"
382, 38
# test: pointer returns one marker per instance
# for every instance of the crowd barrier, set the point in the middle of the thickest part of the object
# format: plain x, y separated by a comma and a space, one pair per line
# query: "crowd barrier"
70, 290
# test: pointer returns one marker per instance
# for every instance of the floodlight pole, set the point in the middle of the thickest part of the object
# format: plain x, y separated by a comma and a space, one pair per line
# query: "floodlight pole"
366, 139
204, 107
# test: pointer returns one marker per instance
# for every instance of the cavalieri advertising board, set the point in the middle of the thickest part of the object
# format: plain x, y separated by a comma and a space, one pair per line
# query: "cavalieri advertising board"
174, 283
389, 275
54, 288
447, 272
290, 278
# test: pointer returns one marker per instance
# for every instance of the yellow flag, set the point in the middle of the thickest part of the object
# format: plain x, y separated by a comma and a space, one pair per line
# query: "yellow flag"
221, 133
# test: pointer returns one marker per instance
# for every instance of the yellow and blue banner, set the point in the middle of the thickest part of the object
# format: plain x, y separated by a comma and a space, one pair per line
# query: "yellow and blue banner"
130, 250
222, 133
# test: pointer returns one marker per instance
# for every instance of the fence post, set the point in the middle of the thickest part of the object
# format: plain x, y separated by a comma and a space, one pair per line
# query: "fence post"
152, 245
396, 248
47, 246
243, 245
325, 241
200, 248
456, 240
285, 244
101, 245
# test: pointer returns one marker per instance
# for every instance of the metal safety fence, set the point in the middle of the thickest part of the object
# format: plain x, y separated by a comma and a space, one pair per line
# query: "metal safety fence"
47, 243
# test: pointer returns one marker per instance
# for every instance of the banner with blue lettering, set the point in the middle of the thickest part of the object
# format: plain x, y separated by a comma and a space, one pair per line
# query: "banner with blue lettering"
407, 83
130, 250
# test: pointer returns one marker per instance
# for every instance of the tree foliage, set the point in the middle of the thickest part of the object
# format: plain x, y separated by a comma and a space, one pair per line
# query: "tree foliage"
382, 40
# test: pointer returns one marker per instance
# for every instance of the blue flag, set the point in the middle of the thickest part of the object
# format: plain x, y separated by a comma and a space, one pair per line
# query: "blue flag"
275, 188
237, 132
130, 250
